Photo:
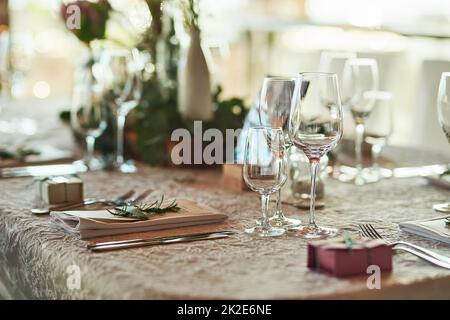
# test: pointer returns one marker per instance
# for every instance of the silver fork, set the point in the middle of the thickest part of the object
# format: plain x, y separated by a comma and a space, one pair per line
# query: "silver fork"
369, 231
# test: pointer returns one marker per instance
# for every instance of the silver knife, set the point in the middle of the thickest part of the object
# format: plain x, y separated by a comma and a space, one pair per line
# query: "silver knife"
41, 170
126, 244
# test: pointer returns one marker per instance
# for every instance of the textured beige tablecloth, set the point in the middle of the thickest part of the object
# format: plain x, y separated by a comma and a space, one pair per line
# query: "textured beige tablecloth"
34, 257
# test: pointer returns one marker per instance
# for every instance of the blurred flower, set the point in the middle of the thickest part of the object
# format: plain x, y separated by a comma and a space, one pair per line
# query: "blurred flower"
93, 17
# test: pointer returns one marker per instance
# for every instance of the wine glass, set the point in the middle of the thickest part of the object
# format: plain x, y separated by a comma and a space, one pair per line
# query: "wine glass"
122, 76
264, 171
315, 127
443, 108
274, 109
378, 129
334, 62
89, 117
359, 80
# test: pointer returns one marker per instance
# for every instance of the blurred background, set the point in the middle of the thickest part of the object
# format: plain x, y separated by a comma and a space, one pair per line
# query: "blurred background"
244, 40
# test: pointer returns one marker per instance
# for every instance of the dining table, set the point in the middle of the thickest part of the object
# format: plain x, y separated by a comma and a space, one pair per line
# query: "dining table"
37, 259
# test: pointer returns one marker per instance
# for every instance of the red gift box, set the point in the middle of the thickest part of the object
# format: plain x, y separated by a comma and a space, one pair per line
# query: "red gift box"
336, 257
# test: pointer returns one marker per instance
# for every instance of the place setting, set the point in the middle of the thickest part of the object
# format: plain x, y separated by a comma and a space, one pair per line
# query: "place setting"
132, 133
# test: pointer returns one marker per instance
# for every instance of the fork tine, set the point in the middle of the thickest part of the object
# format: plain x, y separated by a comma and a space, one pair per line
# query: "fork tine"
374, 231
364, 231
367, 232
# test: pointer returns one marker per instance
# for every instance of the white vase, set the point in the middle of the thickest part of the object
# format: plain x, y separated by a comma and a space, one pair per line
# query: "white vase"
194, 85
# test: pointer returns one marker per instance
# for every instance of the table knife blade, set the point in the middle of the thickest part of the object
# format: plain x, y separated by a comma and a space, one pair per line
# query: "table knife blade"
155, 242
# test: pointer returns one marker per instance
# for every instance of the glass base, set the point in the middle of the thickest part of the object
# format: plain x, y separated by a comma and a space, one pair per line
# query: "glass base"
278, 220
126, 167
93, 164
313, 232
442, 207
368, 175
260, 231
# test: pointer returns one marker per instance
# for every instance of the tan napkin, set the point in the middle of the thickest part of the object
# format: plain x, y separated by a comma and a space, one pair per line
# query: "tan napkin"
98, 223
434, 229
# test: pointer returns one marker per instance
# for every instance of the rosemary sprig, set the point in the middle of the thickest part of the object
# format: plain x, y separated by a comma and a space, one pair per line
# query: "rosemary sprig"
145, 211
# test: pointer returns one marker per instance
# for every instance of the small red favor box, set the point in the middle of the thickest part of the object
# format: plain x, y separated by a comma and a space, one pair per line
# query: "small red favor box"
335, 257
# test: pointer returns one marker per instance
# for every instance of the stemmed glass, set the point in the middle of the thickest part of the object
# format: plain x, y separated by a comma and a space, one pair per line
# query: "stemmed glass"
264, 171
359, 80
379, 127
315, 127
122, 75
334, 62
443, 108
89, 117
274, 110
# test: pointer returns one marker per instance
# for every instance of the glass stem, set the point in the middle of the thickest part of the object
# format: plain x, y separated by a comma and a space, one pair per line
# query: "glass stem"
265, 210
279, 212
120, 138
90, 143
312, 209
359, 130
376, 150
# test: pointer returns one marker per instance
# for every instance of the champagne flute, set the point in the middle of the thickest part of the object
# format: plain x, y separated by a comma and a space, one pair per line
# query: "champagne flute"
360, 79
378, 129
89, 117
315, 127
274, 109
123, 77
443, 108
264, 171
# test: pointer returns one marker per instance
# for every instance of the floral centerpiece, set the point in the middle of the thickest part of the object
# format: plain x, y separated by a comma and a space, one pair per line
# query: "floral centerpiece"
151, 124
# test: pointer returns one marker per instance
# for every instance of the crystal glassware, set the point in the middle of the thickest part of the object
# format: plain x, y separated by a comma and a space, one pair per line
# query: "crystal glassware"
89, 115
122, 76
359, 80
379, 127
315, 127
264, 171
443, 108
274, 110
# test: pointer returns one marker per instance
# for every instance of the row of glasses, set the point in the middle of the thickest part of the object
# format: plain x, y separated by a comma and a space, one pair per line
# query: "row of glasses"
312, 123
360, 96
114, 86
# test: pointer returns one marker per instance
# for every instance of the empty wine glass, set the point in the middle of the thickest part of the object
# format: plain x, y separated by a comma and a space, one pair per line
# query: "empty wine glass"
122, 76
359, 80
334, 62
443, 108
89, 117
315, 127
378, 129
274, 110
264, 171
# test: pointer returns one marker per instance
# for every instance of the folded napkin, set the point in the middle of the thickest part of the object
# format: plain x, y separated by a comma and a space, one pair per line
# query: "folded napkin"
98, 223
434, 229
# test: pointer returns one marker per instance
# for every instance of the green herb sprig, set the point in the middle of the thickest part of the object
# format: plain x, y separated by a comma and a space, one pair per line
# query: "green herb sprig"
447, 221
145, 211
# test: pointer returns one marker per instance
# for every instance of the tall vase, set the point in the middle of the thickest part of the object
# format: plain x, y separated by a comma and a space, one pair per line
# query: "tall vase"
194, 85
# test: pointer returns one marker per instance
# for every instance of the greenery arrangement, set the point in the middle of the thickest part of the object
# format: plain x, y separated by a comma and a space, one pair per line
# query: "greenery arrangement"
146, 211
19, 154
156, 117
